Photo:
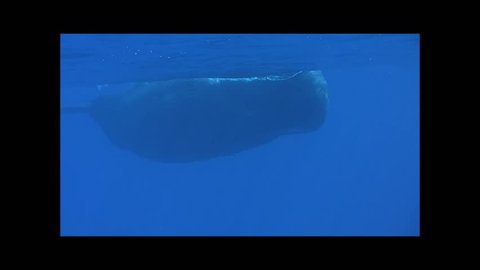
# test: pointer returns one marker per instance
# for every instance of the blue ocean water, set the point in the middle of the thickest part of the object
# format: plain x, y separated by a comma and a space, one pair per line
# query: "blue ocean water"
358, 175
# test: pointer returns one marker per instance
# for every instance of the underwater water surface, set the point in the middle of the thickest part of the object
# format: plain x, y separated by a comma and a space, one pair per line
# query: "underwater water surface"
356, 175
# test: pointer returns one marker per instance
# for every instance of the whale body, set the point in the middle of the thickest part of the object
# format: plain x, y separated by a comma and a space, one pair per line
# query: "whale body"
187, 120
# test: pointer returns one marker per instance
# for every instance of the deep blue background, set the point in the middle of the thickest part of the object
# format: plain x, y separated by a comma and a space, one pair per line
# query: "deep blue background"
358, 175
